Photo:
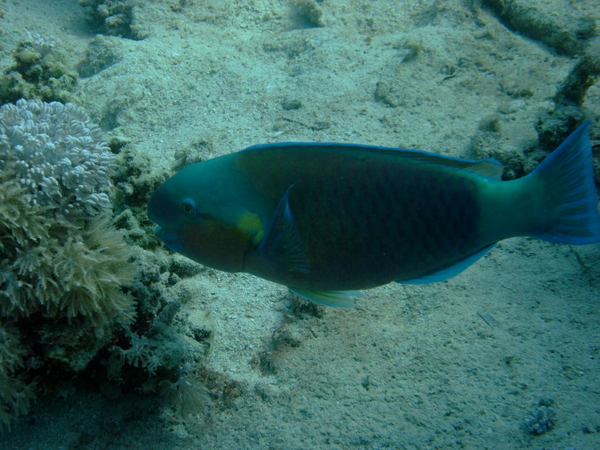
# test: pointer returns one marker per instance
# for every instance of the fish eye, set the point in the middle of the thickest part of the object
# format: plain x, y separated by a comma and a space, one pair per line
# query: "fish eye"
188, 206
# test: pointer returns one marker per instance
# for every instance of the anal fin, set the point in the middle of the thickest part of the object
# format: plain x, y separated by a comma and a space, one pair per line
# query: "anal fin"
449, 272
339, 299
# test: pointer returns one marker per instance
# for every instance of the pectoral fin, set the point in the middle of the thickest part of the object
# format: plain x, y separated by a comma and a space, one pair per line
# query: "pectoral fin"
282, 246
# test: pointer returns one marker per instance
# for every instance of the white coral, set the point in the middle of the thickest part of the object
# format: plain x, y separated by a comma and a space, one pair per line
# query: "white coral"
40, 44
57, 154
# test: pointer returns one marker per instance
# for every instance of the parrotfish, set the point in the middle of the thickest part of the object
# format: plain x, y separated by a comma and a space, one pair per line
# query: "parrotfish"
328, 220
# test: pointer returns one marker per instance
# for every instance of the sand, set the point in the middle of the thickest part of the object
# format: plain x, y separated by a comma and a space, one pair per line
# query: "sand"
450, 365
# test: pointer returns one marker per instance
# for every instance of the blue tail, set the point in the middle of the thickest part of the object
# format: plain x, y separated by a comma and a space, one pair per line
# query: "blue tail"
569, 177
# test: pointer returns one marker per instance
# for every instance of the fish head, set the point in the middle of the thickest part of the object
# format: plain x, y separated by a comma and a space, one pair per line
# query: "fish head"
199, 216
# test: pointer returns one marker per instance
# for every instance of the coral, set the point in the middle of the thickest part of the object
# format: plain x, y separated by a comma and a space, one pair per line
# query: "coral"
40, 72
57, 155
101, 53
583, 75
164, 357
541, 420
552, 127
138, 354
80, 299
90, 271
390, 95
163, 345
80, 276
59, 254
135, 180
113, 17
555, 126
292, 332
306, 14
187, 395
62, 264
15, 394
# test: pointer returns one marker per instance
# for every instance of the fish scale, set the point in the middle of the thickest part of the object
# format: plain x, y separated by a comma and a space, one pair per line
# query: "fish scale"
377, 203
325, 219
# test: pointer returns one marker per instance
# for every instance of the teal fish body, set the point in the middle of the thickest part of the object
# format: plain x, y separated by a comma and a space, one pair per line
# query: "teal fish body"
330, 219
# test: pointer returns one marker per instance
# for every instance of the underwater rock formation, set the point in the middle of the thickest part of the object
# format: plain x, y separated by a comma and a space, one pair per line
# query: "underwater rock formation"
554, 126
565, 33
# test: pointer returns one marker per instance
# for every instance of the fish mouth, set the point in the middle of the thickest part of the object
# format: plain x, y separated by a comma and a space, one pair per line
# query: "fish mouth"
170, 238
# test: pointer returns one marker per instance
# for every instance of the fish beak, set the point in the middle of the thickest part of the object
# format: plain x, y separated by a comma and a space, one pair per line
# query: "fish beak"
170, 238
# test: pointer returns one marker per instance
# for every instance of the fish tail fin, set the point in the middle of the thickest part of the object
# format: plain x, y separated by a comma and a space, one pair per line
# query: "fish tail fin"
568, 179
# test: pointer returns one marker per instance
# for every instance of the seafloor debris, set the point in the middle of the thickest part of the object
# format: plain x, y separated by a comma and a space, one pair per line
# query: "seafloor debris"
541, 419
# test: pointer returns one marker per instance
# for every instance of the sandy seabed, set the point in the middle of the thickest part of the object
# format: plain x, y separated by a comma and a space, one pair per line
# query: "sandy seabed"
452, 365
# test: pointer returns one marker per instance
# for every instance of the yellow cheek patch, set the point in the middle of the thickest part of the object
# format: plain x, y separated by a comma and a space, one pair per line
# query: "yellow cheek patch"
251, 224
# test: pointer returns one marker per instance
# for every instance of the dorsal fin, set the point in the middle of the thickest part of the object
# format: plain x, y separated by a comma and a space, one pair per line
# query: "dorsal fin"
488, 168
